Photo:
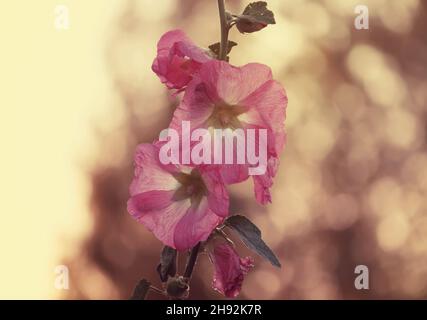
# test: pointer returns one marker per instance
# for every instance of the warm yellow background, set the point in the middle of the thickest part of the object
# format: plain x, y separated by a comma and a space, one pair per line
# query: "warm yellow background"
59, 88
53, 87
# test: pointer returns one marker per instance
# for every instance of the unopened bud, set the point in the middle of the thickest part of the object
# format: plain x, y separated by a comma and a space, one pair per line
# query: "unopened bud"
177, 287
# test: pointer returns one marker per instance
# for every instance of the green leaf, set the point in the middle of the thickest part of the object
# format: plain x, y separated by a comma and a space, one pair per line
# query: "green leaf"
167, 265
216, 47
141, 290
255, 17
251, 237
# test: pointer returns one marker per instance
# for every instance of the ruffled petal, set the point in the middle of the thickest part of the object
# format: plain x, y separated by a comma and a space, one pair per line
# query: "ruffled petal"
195, 226
161, 201
170, 38
149, 201
263, 183
150, 173
195, 106
163, 223
178, 59
268, 109
229, 270
229, 84
218, 199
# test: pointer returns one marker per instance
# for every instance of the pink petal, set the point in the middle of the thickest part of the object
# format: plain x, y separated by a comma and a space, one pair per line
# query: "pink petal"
149, 201
268, 109
186, 48
263, 183
195, 106
150, 174
170, 38
230, 84
178, 59
195, 226
218, 199
163, 222
178, 222
230, 270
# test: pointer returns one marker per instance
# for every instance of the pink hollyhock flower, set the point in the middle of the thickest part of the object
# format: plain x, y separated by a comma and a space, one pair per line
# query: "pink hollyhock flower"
224, 96
180, 205
230, 269
178, 59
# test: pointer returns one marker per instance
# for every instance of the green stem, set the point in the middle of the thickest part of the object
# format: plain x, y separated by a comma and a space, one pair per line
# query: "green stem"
224, 30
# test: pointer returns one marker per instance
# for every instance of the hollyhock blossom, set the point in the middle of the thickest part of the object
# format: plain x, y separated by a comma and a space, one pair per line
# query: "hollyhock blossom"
229, 269
178, 58
224, 96
180, 205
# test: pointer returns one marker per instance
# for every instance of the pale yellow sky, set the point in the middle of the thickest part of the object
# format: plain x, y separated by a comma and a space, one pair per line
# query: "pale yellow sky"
50, 85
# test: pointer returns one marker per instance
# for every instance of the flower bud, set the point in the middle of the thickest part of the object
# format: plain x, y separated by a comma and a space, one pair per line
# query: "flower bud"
177, 287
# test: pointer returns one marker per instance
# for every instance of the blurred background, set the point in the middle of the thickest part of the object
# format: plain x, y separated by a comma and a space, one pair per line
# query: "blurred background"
352, 185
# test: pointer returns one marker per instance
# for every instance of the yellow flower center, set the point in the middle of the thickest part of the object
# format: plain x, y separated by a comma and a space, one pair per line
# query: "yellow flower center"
191, 186
225, 116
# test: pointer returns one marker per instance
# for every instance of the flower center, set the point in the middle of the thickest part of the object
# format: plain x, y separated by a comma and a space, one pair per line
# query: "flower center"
225, 116
191, 186
185, 64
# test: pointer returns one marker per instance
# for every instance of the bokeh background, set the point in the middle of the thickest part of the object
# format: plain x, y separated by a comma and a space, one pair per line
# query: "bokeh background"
352, 185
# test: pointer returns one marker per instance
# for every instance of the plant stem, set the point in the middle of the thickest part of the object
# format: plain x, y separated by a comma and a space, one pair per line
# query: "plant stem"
157, 290
224, 30
191, 261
